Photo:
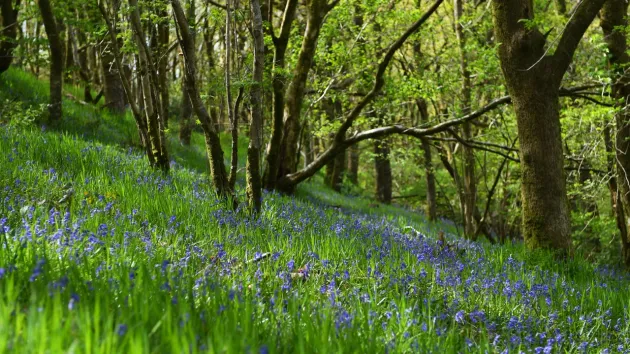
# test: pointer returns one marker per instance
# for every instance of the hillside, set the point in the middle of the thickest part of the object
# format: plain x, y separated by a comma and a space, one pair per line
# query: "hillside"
102, 254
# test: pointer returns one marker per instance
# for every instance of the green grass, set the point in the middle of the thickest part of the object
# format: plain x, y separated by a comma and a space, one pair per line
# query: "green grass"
140, 262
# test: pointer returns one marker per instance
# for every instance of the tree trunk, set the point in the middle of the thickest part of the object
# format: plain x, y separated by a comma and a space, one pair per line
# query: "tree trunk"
533, 79
287, 156
254, 181
613, 20
185, 123
55, 109
113, 86
383, 171
151, 93
470, 191
8, 32
431, 207
354, 155
162, 61
213, 144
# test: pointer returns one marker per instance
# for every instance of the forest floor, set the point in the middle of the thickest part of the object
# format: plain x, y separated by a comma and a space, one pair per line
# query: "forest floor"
102, 254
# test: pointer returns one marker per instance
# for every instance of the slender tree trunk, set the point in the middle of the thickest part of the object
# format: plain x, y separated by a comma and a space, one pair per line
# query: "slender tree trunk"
185, 123
8, 32
431, 207
55, 109
228, 89
151, 93
354, 155
162, 61
533, 79
213, 144
613, 20
254, 179
383, 171
470, 191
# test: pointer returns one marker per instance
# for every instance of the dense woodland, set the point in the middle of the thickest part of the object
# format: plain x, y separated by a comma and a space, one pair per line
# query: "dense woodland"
508, 117
315, 175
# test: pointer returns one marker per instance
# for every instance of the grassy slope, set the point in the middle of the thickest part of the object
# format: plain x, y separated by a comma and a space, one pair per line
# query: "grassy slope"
141, 262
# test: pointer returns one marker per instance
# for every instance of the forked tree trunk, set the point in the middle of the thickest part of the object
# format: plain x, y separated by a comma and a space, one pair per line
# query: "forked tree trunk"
254, 179
533, 79
55, 109
613, 21
287, 154
8, 32
278, 82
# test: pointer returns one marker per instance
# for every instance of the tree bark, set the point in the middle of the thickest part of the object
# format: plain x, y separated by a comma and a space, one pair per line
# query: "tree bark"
254, 179
533, 79
55, 109
613, 20
8, 32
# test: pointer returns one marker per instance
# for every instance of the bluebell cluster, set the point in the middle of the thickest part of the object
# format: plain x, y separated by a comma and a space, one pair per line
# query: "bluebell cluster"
354, 266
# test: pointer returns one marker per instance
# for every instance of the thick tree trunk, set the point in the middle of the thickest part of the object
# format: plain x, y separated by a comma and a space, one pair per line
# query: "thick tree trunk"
533, 79
55, 109
8, 32
254, 179
613, 20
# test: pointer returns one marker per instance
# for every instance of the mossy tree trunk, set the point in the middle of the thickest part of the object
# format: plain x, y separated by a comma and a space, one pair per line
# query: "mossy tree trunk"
533, 78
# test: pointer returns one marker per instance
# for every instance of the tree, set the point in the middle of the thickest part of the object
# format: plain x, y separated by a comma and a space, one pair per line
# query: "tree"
213, 143
8, 32
55, 109
533, 78
254, 179
613, 24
